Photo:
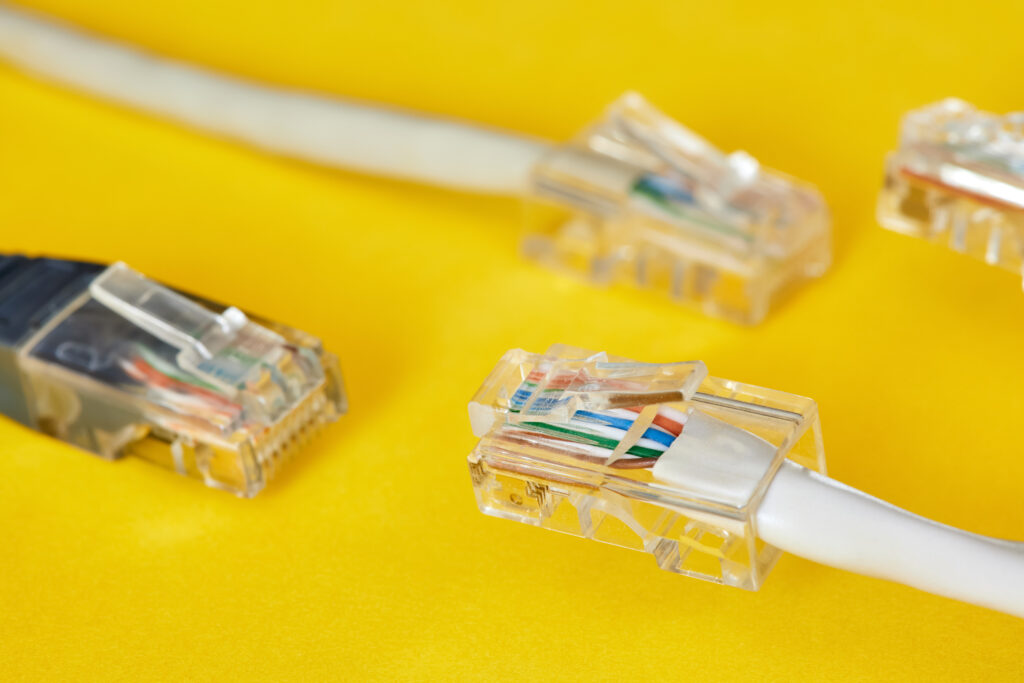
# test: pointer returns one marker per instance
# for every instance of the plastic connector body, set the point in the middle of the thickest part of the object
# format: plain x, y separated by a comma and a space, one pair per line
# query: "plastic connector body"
957, 178
658, 458
118, 365
639, 198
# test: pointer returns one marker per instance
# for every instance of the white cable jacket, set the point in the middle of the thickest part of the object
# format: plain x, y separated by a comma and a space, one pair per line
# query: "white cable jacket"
822, 520
291, 123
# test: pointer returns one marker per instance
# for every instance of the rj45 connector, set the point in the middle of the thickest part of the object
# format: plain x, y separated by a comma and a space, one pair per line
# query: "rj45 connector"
639, 198
958, 179
657, 457
117, 364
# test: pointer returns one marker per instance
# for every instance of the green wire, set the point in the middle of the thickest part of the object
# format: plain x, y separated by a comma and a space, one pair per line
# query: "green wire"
171, 370
644, 189
578, 436
591, 439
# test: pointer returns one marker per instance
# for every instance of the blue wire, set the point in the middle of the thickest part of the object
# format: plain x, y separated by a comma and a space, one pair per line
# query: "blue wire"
622, 423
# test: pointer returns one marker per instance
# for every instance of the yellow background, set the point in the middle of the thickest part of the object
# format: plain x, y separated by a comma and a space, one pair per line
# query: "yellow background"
367, 558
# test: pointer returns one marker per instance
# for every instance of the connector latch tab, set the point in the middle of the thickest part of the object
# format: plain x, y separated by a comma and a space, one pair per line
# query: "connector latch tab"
655, 457
958, 179
640, 198
131, 367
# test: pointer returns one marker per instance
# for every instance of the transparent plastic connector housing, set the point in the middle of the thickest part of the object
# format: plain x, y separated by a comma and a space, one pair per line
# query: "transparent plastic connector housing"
958, 179
639, 198
656, 457
130, 367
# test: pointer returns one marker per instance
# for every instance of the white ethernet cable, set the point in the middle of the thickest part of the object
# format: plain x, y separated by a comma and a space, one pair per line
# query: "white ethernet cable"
712, 477
317, 129
820, 519
638, 197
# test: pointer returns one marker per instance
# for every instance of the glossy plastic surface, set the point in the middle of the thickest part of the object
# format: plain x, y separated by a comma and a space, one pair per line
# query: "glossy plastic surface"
958, 179
132, 367
639, 198
655, 457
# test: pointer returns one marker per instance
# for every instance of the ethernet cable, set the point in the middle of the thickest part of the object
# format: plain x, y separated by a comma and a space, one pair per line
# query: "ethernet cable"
636, 198
116, 364
713, 477
957, 178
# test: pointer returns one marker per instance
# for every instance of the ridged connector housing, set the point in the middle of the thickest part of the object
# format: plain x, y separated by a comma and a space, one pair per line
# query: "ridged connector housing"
957, 179
655, 457
117, 364
638, 198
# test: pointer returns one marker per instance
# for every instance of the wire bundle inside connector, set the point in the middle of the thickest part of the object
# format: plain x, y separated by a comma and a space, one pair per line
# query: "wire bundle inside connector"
603, 431
958, 178
128, 366
617, 413
587, 443
640, 198
974, 154
722, 477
